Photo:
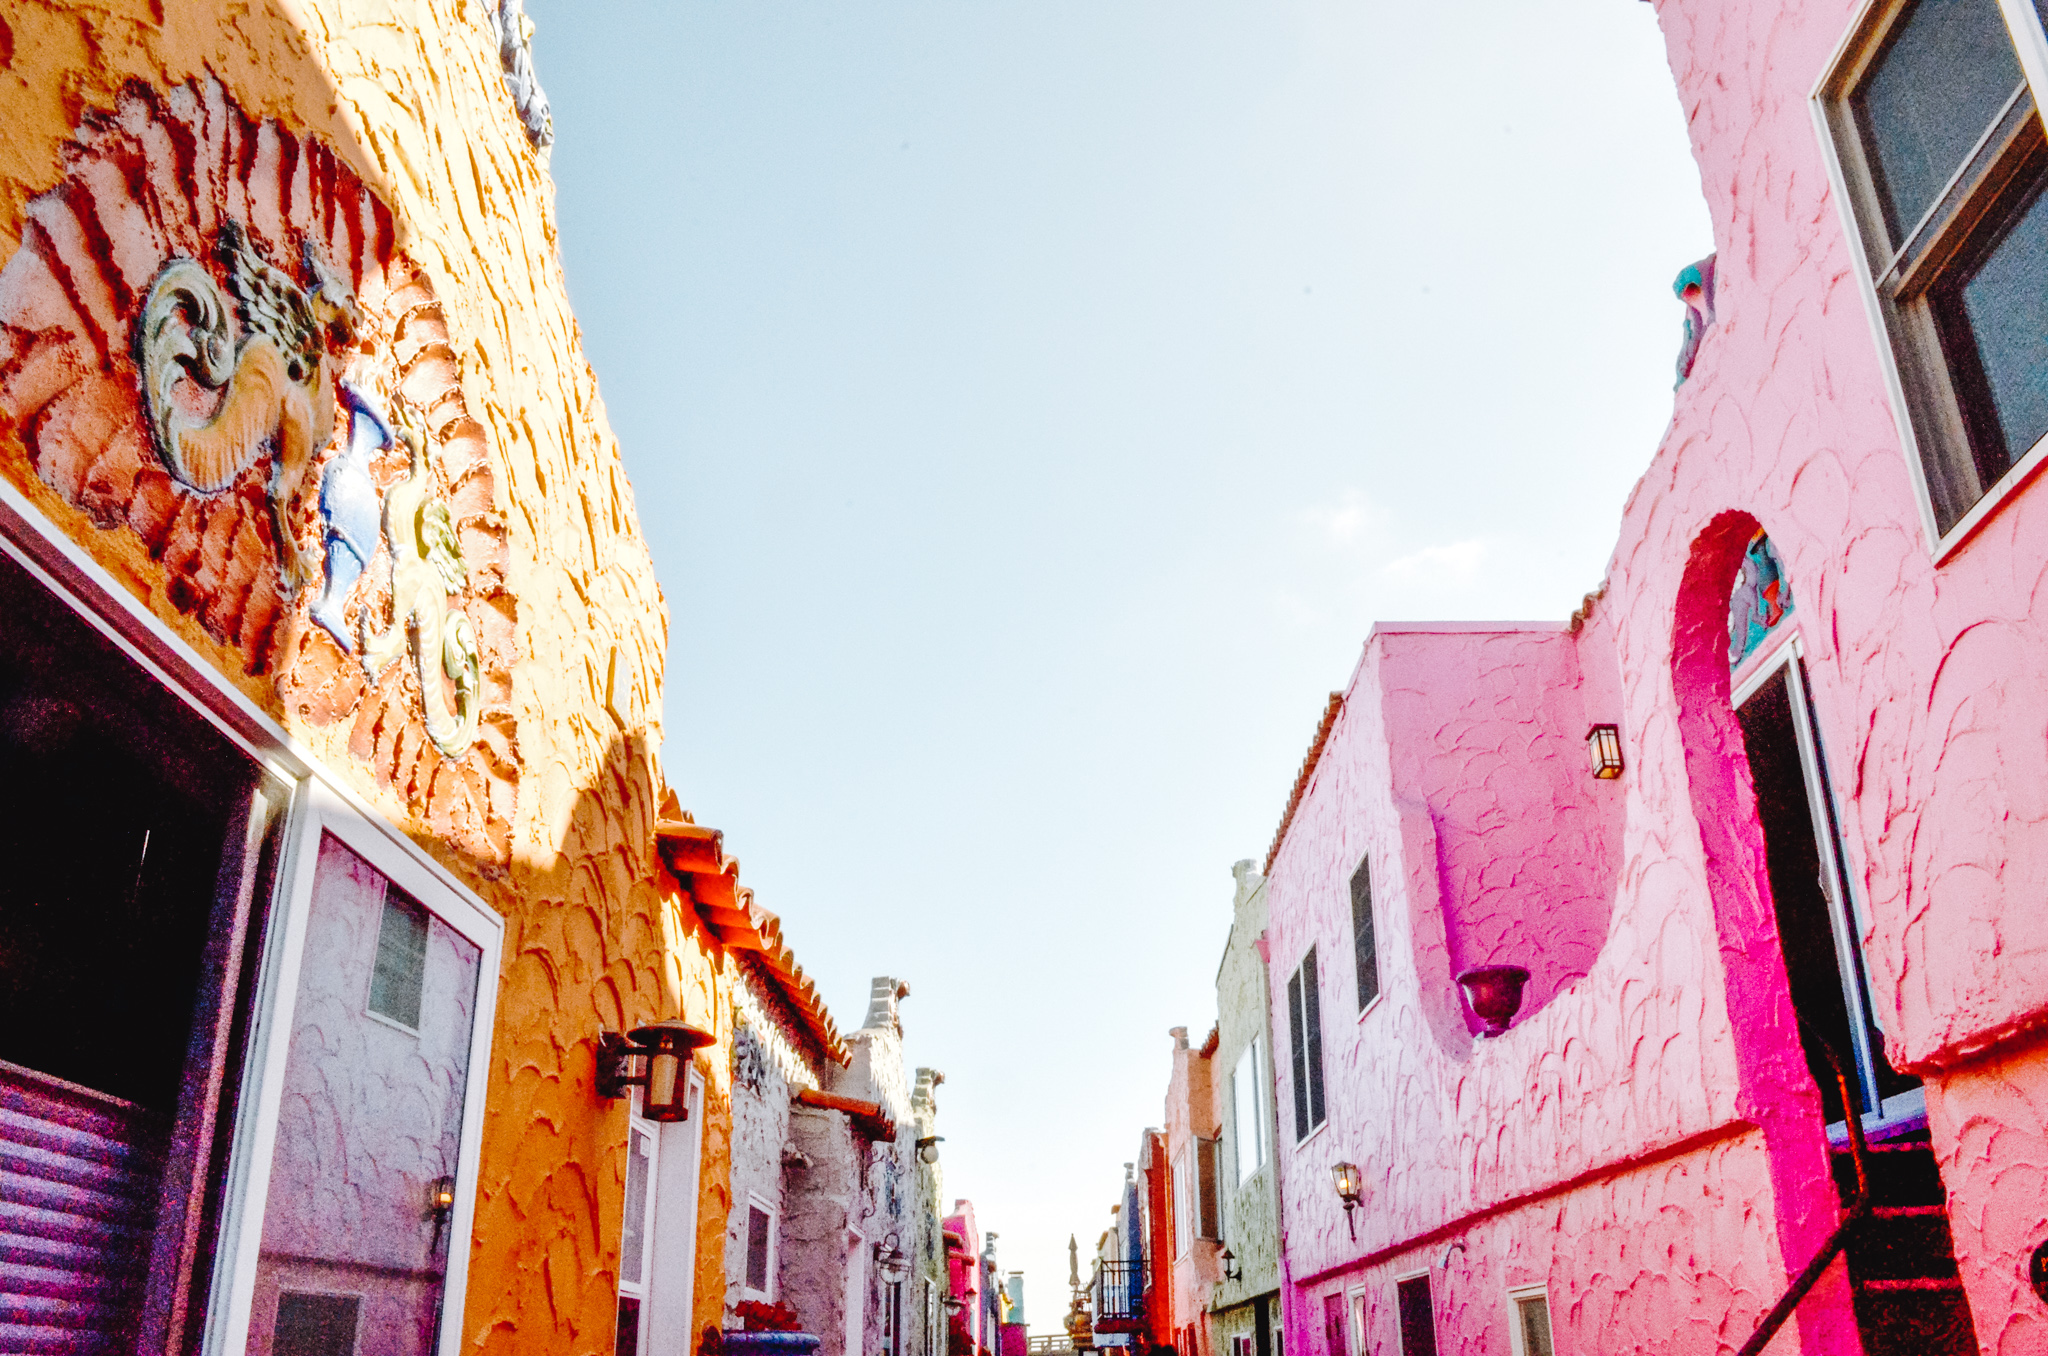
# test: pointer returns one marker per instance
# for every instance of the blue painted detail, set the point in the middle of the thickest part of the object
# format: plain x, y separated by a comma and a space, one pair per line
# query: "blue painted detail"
1695, 287
1761, 600
350, 511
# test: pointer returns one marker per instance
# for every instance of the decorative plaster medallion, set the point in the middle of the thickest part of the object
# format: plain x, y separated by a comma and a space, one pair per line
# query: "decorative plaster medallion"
212, 348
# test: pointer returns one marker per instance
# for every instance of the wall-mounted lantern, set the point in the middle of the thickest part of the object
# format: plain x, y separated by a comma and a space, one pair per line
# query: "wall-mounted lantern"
654, 1058
891, 1261
928, 1148
1232, 1270
1603, 751
1494, 993
954, 1304
1350, 1190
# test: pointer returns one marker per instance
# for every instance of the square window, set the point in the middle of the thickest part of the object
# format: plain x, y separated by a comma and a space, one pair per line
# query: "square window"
313, 1324
1937, 137
1532, 1323
760, 1249
400, 972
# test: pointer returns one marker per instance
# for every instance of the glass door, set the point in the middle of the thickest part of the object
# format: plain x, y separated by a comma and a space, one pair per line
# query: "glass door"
366, 1168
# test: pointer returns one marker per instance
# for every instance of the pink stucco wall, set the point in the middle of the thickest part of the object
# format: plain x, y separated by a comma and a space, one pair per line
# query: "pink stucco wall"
1647, 1130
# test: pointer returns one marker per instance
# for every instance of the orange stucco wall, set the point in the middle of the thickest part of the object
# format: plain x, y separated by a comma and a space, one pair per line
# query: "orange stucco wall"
446, 217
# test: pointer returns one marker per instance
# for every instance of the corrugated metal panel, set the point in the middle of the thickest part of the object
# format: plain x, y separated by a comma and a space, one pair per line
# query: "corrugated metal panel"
78, 1188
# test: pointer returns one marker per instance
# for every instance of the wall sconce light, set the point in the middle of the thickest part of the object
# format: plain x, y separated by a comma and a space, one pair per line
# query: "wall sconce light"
891, 1261
654, 1058
1494, 993
928, 1148
1231, 1269
441, 1197
1603, 751
954, 1304
1350, 1190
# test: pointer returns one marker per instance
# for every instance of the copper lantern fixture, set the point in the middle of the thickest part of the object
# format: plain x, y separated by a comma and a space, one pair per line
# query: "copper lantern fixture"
1603, 751
654, 1058
1494, 993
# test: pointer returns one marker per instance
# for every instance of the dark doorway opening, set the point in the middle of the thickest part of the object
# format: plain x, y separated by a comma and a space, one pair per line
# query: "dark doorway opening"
1817, 930
139, 845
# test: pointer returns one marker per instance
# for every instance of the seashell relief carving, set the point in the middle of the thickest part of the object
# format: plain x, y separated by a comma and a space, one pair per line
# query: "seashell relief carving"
211, 348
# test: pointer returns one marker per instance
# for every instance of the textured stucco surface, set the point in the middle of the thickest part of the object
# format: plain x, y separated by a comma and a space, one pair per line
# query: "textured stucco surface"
551, 818
1190, 1114
1677, 1027
1251, 1226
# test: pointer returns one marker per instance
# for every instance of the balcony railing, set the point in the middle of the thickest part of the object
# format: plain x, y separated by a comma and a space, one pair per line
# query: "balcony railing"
1119, 1296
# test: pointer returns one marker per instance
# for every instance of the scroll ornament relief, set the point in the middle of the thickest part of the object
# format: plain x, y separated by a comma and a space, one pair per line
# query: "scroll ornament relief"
229, 381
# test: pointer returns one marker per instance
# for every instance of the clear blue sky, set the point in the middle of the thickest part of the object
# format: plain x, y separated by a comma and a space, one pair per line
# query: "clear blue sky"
1031, 407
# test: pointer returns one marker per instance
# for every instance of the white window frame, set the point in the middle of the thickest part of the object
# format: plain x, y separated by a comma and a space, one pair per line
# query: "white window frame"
321, 803
643, 1289
1424, 1273
1250, 1097
1516, 1294
2031, 45
1184, 1205
761, 1203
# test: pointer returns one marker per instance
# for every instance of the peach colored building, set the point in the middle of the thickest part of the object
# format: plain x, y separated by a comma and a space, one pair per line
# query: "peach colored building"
1821, 839
330, 680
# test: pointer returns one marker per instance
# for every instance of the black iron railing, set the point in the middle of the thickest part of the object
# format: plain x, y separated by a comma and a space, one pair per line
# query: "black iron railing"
1858, 1211
1119, 1293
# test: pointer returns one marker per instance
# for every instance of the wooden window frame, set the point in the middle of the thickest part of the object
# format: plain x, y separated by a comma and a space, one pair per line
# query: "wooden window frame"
320, 804
1925, 405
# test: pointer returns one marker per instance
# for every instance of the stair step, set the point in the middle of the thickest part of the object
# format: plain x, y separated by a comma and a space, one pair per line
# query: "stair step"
1900, 1174
1917, 1317
1903, 1243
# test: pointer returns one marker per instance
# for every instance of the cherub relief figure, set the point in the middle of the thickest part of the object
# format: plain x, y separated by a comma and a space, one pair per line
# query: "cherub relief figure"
426, 570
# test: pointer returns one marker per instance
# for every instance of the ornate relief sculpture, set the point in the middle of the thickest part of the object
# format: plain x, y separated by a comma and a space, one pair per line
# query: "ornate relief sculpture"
515, 53
349, 511
217, 403
426, 568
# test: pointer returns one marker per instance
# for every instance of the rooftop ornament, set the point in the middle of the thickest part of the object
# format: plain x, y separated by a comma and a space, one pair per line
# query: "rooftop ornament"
654, 1058
1350, 1185
1603, 751
1494, 993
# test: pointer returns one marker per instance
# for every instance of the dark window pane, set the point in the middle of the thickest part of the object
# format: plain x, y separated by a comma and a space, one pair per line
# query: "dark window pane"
757, 1248
1297, 1032
1362, 937
401, 965
1534, 1314
316, 1325
1418, 1324
628, 1343
2004, 307
1312, 1009
1947, 70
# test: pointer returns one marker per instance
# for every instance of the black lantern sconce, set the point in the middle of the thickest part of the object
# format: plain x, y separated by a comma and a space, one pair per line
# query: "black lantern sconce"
654, 1058
928, 1148
1350, 1190
1603, 751
891, 1261
1232, 1270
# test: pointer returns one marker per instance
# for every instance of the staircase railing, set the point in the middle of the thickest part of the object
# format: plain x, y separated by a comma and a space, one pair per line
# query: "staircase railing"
1859, 1210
